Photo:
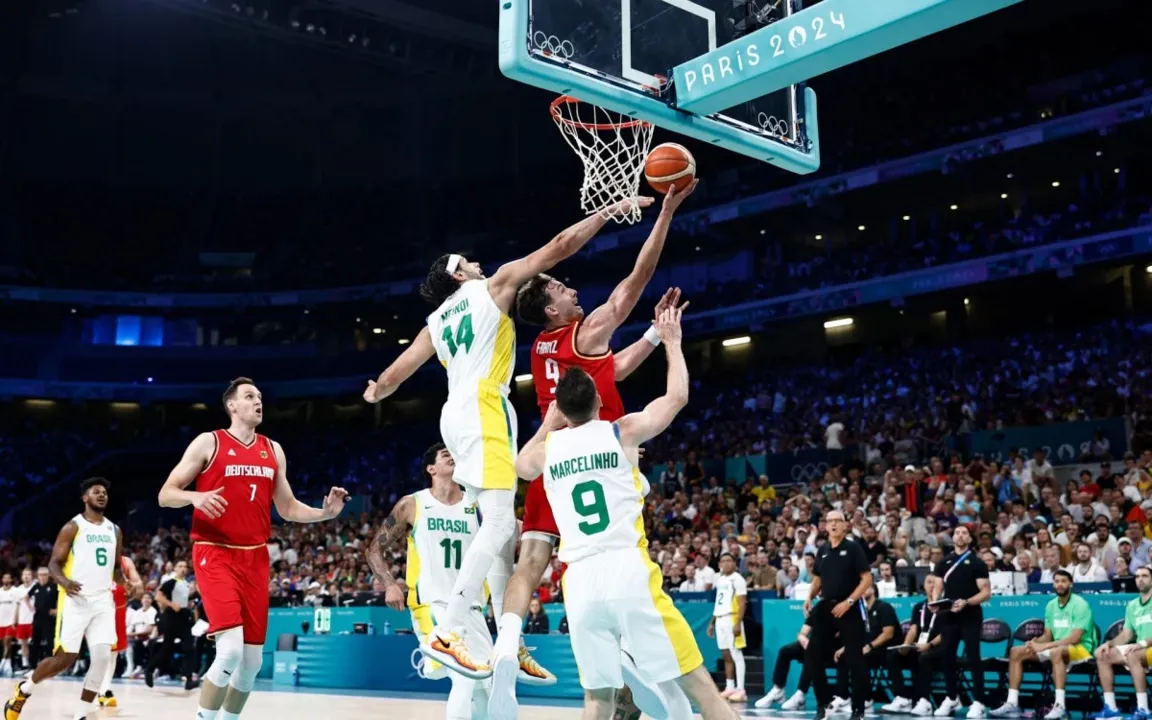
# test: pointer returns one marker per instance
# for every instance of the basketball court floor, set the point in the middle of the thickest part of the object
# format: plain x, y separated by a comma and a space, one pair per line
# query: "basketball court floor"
58, 699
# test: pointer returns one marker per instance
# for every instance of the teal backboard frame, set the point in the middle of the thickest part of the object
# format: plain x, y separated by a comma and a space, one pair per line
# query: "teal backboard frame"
794, 48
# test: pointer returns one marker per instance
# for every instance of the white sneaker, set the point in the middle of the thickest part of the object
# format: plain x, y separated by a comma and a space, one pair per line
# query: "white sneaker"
947, 708
840, 706
774, 696
796, 702
502, 703
923, 708
1008, 710
1056, 713
977, 710
898, 705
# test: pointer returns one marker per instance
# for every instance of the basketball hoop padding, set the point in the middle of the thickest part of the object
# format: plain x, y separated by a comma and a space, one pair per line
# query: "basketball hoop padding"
612, 148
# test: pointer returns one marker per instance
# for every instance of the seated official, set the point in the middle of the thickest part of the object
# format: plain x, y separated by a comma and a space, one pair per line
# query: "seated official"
923, 655
1069, 636
883, 629
790, 653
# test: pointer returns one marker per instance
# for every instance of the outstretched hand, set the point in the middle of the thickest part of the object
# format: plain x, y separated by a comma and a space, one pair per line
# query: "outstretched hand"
670, 299
674, 197
624, 207
668, 326
370, 393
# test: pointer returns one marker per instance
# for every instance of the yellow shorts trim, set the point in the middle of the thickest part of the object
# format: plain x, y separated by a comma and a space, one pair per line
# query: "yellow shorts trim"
1148, 657
688, 655
423, 623
498, 441
1076, 653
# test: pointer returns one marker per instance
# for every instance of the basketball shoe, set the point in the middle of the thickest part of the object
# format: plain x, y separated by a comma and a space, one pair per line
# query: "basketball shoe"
15, 704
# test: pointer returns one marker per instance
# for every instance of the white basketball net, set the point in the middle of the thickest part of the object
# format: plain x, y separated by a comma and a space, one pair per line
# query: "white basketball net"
613, 148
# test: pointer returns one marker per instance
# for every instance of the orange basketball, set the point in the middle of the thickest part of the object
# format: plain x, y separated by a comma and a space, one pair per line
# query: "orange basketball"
669, 165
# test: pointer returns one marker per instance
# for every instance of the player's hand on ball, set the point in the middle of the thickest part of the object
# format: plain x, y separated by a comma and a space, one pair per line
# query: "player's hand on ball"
210, 503
668, 326
673, 199
334, 503
370, 393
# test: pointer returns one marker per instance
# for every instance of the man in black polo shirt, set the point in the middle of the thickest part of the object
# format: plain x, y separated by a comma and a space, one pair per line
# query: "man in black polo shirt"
922, 657
840, 577
883, 628
43, 597
966, 584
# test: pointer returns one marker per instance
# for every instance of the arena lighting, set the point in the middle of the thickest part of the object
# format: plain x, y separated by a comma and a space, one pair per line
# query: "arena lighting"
403, 341
377, 331
1116, 170
953, 207
526, 377
819, 237
733, 342
861, 228
1099, 153
1055, 183
1148, 269
1003, 196
838, 323
967, 302
907, 218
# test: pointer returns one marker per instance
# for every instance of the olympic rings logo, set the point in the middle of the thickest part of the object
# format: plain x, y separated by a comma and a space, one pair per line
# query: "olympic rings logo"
552, 45
772, 124
809, 472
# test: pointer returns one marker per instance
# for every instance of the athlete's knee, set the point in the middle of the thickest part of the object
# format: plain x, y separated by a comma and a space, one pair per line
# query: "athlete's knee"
245, 676
229, 654
535, 554
497, 512
99, 656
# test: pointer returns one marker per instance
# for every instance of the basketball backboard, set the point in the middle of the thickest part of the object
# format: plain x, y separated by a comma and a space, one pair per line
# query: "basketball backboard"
726, 72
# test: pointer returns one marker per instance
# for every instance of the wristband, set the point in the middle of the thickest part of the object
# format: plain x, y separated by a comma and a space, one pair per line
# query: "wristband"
1144, 644
652, 336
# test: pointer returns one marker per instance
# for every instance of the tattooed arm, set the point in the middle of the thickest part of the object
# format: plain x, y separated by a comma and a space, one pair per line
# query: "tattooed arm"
395, 526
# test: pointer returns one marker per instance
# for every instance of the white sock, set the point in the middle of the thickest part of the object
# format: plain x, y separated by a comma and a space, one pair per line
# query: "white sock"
86, 708
27, 686
1142, 700
508, 640
488, 544
499, 574
1013, 697
1059, 696
225, 715
738, 661
1110, 699
106, 682
729, 684
206, 714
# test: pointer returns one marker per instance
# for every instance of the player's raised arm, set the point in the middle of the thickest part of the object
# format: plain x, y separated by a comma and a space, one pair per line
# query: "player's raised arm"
638, 427
630, 357
596, 330
419, 352
508, 279
292, 509
196, 457
60, 550
395, 526
530, 461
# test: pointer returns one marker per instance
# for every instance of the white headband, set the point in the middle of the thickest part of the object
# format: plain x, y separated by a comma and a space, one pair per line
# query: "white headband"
453, 263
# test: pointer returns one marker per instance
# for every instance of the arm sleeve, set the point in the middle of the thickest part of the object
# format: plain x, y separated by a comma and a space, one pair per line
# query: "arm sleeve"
815, 566
167, 588
1082, 617
980, 569
859, 559
740, 585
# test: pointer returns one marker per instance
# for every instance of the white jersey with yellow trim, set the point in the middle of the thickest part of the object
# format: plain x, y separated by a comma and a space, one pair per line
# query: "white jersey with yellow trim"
92, 558
728, 588
437, 543
595, 492
475, 340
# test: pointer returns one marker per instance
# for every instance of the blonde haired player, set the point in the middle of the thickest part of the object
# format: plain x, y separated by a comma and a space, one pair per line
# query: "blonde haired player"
85, 562
727, 626
441, 525
612, 590
472, 335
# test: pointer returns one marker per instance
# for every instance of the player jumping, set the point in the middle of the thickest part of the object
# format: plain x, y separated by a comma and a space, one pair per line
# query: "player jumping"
473, 336
443, 525
85, 562
571, 340
612, 590
239, 475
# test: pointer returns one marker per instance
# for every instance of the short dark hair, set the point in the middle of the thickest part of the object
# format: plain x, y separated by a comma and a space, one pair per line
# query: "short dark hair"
727, 554
576, 395
439, 283
93, 482
531, 299
1062, 573
233, 388
430, 456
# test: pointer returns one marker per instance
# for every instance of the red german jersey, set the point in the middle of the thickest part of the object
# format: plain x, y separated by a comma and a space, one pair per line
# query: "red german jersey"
248, 474
119, 593
555, 351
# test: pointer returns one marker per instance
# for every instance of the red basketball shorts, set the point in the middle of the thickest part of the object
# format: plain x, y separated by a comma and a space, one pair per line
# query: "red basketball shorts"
234, 587
121, 629
537, 510
24, 632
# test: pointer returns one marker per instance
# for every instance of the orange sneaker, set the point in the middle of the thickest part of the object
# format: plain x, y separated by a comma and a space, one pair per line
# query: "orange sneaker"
13, 707
738, 695
727, 693
448, 648
532, 672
